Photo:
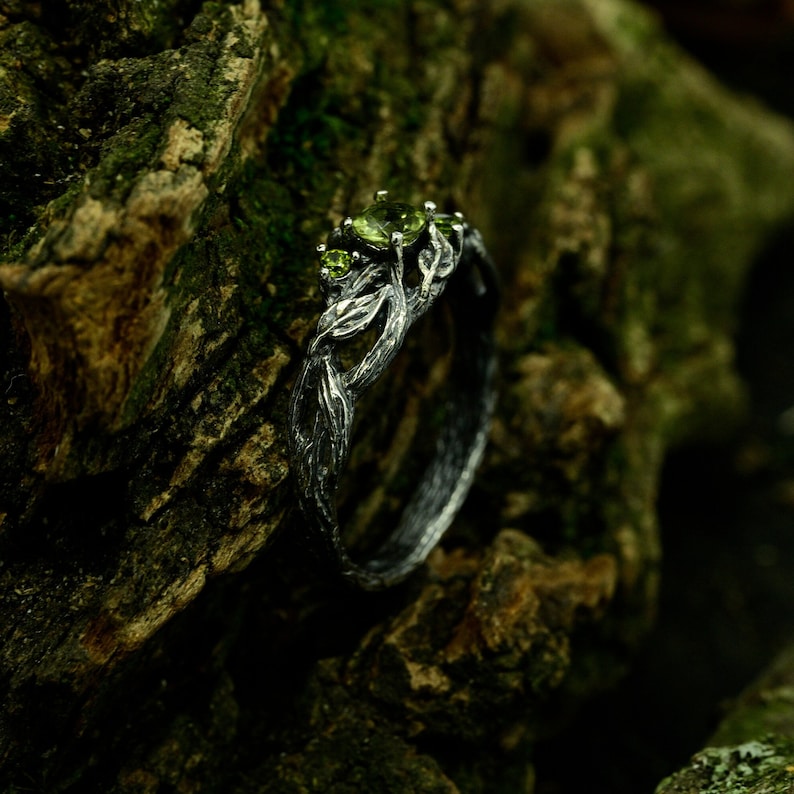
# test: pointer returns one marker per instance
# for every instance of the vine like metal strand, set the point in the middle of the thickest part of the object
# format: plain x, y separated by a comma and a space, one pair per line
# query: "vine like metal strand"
370, 290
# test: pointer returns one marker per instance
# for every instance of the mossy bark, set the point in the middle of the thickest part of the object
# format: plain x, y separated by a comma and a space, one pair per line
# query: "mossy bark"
752, 750
167, 169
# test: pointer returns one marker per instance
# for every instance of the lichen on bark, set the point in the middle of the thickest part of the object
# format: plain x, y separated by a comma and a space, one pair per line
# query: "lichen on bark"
160, 286
752, 750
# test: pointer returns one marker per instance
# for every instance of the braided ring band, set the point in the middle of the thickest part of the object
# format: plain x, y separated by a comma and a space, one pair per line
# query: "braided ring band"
383, 270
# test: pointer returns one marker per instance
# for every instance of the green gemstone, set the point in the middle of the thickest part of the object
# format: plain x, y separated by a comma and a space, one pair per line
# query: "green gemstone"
444, 224
336, 261
376, 224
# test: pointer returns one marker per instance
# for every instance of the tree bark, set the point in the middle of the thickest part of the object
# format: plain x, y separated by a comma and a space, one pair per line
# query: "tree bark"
752, 750
167, 169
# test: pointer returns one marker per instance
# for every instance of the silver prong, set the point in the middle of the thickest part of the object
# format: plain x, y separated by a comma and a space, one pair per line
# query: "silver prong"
321, 248
397, 246
381, 195
347, 223
430, 210
355, 256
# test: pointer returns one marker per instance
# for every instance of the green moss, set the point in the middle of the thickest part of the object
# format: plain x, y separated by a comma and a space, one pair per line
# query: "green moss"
276, 251
309, 132
314, 22
338, 93
128, 153
713, 184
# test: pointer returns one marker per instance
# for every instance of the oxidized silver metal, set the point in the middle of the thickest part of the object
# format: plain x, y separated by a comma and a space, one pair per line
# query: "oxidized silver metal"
374, 293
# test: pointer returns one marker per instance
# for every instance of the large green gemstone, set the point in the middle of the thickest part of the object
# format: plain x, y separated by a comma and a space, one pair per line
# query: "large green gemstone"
336, 261
376, 223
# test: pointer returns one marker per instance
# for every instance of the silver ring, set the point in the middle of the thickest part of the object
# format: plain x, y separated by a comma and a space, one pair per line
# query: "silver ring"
384, 269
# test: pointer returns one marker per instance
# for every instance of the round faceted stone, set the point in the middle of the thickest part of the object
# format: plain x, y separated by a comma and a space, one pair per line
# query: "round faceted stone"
336, 261
376, 224
444, 224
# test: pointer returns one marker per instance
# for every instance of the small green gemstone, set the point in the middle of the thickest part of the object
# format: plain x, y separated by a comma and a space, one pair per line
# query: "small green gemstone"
444, 224
336, 261
376, 224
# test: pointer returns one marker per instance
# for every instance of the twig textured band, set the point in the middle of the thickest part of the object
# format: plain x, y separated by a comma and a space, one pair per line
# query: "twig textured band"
383, 270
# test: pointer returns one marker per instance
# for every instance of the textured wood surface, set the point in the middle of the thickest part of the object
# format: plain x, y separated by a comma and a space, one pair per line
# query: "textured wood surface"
161, 623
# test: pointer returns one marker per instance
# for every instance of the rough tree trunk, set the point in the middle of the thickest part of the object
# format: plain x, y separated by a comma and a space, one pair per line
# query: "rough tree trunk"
166, 169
